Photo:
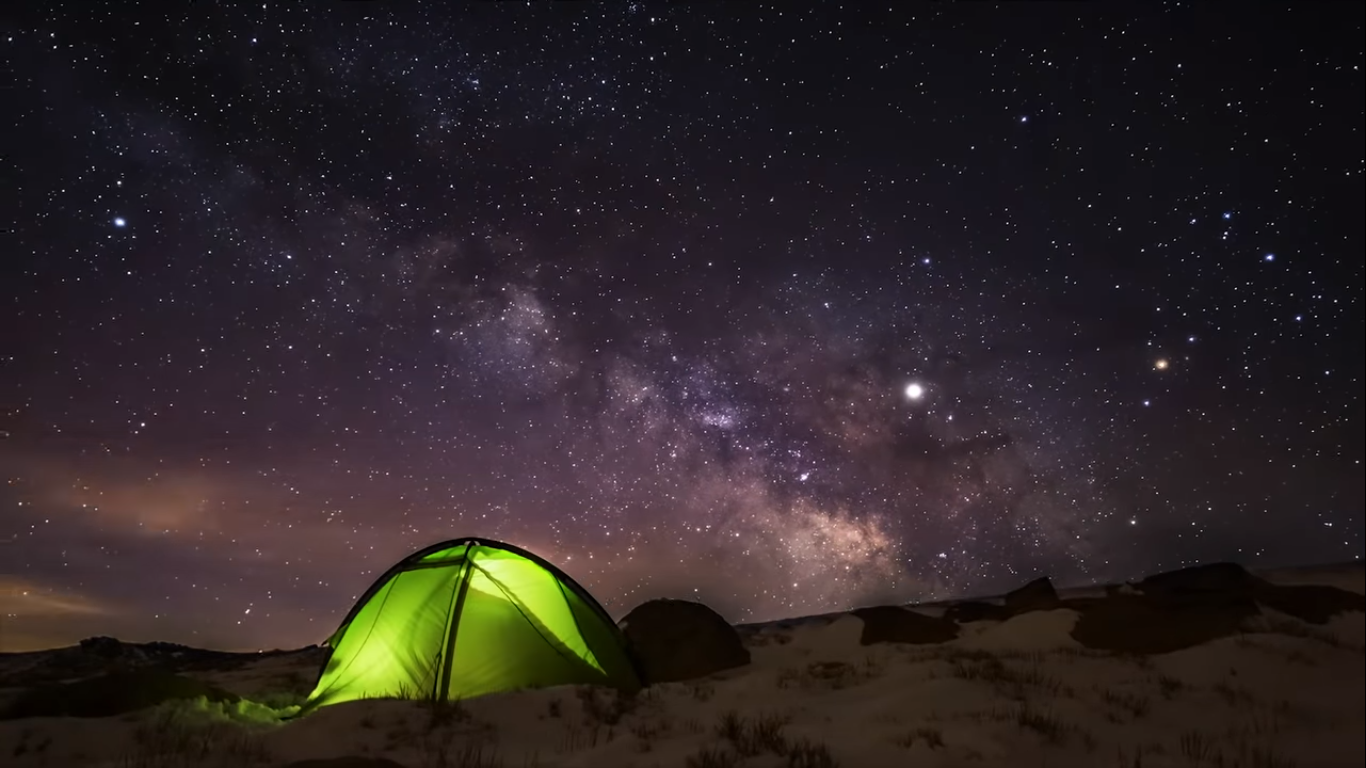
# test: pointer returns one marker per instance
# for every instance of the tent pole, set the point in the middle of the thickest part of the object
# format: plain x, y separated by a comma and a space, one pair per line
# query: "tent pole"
461, 588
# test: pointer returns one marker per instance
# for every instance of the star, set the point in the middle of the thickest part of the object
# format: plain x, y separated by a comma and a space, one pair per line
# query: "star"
511, 283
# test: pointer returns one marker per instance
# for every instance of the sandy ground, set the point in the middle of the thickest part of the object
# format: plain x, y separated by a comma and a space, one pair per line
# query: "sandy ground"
1022, 692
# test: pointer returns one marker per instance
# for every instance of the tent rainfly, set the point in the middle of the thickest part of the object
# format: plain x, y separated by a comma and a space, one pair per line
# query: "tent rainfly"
466, 618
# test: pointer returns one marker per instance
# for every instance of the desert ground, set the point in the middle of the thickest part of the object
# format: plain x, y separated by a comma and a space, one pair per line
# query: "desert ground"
1209, 667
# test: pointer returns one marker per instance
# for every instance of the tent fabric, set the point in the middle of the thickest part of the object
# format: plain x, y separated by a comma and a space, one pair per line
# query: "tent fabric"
466, 618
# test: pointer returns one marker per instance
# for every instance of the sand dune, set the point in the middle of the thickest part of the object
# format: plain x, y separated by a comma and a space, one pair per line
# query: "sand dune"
1024, 691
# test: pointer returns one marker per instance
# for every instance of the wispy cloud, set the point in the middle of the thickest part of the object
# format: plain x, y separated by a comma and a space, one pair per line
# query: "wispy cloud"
22, 598
120, 494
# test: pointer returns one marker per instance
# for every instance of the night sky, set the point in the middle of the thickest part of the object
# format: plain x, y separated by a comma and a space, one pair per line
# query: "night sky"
784, 309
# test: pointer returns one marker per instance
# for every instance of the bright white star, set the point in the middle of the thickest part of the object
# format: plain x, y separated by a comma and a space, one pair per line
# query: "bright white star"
120, 222
914, 391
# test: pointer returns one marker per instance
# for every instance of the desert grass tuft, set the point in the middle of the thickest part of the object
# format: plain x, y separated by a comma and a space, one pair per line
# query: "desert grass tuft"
751, 737
712, 757
606, 705
806, 754
1125, 705
930, 736
1169, 686
174, 738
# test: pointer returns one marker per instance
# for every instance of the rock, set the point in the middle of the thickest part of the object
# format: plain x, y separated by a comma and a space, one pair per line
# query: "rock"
890, 624
111, 694
1145, 624
1191, 606
1037, 595
1311, 604
103, 647
974, 610
1225, 578
673, 640
349, 761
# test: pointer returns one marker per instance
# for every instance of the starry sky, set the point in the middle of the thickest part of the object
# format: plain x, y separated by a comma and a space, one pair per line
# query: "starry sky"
786, 308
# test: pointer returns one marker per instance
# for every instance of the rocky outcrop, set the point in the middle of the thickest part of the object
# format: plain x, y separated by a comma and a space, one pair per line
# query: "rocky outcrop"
1191, 606
111, 694
349, 761
1037, 595
890, 624
1146, 625
975, 610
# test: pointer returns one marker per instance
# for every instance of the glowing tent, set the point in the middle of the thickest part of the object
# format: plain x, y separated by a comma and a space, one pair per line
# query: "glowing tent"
469, 617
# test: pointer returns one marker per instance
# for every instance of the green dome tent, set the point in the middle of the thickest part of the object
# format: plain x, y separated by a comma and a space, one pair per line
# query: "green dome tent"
469, 617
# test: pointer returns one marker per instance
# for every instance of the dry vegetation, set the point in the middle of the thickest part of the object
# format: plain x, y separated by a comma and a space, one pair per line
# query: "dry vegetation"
177, 736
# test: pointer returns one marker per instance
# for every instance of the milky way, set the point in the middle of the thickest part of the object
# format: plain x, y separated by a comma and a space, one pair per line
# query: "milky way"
782, 311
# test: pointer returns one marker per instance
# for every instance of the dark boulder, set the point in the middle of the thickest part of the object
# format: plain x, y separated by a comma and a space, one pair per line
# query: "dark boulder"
975, 610
111, 694
1311, 604
1037, 595
673, 640
349, 761
102, 647
1192, 606
1221, 578
1149, 625
890, 624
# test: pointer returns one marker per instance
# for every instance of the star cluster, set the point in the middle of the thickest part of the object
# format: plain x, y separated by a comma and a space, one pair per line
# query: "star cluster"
783, 309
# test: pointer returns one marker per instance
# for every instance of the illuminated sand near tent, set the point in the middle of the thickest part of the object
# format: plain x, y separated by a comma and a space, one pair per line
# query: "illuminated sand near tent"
1019, 692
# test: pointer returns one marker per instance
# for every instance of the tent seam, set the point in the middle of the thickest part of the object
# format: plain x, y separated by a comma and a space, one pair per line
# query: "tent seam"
579, 627
352, 660
553, 645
